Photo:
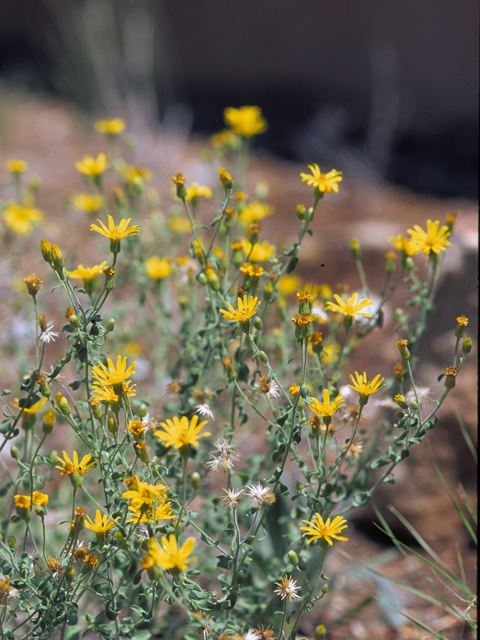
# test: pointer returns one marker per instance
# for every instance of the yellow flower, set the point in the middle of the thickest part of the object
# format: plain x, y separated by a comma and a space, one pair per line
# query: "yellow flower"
225, 178
88, 273
39, 499
254, 212
323, 409
21, 219
169, 556
180, 432
116, 232
294, 389
351, 307
364, 387
324, 182
261, 251
330, 353
251, 270
179, 224
225, 137
402, 244
245, 309
462, 321
317, 528
434, 239
247, 121
22, 502
157, 268
153, 514
88, 202
16, 166
107, 394
33, 409
115, 374
135, 172
102, 524
111, 127
91, 167
142, 493
196, 190
286, 285
68, 467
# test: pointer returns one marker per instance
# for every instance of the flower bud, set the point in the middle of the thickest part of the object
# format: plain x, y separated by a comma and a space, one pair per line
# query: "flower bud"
202, 278
268, 292
142, 411
401, 401
33, 284
409, 263
253, 233
301, 212
212, 279
230, 371
74, 321
97, 412
257, 323
195, 481
110, 326
43, 386
75, 479
112, 425
225, 179
58, 262
292, 556
450, 374
45, 248
403, 349
179, 181
12, 543
467, 345
14, 452
355, 248
70, 575
320, 631
63, 405
263, 357
142, 451
48, 422
109, 273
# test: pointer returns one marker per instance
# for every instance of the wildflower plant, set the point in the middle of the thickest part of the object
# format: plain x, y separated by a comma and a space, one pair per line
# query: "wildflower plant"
167, 526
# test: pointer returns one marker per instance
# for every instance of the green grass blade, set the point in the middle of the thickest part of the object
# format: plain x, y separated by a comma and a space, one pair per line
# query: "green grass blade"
467, 502
467, 437
466, 523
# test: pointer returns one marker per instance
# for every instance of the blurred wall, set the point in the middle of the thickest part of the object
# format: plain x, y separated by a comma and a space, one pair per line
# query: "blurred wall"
426, 49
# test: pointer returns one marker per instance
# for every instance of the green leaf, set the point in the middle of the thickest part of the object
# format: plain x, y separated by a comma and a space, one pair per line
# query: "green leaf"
73, 633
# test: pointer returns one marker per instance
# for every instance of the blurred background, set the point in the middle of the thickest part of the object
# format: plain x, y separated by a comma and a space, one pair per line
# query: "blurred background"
386, 89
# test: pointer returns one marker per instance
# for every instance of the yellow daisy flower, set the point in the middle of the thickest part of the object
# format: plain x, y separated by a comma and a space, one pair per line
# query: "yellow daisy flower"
21, 219
246, 121
180, 432
33, 409
114, 374
324, 182
91, 167
246, 308
317, 528
196, 190
111, 127
118, 232
141, 493
88, 273
102, 524
153, 514
261, 251
434, 239
68, 467
157, 268
325, 408
351, 307
169, 555
364, 387
16, 166
88, 202
254, 212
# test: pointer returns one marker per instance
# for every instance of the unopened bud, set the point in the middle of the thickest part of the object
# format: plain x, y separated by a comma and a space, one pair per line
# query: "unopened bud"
195, 481
142, 411
268, 291
69, 575
12, 543
14, 452
409, 263
355, 248
257, 323
110, 326
45, 248
403, 349
401, 401
74, 321
320, 631
225, 179
58, 262
43, 386
292, 556
63, 405
450, 375
112, 425
263, 357
142, 451
467, 345
48, 422
301, 212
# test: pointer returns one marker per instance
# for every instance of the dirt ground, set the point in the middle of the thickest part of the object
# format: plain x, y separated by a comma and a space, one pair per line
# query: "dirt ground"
51, 136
